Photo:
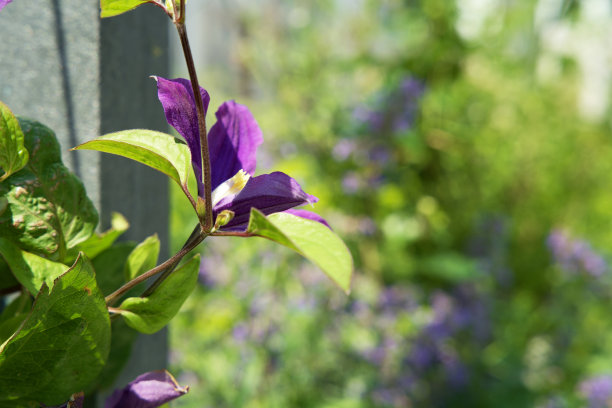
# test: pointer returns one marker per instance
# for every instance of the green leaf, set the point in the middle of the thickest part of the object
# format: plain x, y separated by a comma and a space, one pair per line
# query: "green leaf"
110, 8
110, 264
122, 340
98, 243
13, 154
449, 266
48, 210
311, 239
152, 313
3, 204
7, 279
13, 315
142, 258
62, 345
30, 270
158, 150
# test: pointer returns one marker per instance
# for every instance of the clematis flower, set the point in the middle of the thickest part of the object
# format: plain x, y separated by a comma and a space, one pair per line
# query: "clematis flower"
4, 3
148, 390
232, 144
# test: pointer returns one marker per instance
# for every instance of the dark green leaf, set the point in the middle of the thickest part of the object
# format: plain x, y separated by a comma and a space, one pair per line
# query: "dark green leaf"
154, 149
13, 315
110, 8
7, 279
13, 154
30, 270
311, 239
109, 266
62, 345
449, 266
142, 258
48, 210
122, 339
152, 313
97, 243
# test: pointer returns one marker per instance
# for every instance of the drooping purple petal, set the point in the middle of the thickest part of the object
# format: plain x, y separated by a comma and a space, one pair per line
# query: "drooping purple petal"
148, 390
269, 193
309, 215
233, 142
4, 3
179, 106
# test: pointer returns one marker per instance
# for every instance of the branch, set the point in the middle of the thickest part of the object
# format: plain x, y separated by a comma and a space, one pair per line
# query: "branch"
192, 242
182, 31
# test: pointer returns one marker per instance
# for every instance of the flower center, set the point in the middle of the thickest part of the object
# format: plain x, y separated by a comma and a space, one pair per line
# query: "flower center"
230, 187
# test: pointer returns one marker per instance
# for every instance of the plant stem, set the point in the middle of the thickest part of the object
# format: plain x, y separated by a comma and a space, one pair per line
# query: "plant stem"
242, 234
191, 243
194, 235
182, 32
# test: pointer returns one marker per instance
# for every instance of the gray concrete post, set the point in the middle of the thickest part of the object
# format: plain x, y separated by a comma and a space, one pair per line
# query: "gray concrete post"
83, 77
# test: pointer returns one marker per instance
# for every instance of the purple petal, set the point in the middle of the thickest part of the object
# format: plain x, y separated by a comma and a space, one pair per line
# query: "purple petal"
148, 390
269, 193
233, 142
4, 3
309, 215
179, 106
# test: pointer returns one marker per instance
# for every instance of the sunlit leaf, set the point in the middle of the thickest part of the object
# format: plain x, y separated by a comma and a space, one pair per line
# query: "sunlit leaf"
62, 345
30, 270
152, 313
13, 154
110, 8
48, 210
311, 239
154, 149
142, 258
97, 243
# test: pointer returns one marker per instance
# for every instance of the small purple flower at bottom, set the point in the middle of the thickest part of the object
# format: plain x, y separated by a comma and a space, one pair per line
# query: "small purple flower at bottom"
232, 144
148, 390
4, 3
598, 391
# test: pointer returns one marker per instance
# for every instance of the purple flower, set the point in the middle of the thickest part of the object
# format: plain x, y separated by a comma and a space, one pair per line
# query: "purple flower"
343, 149
597, 390
233, 143
148, 390
575, 254
4, 3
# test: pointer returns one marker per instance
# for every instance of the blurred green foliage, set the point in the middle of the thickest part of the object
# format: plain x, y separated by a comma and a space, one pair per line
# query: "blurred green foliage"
445, 161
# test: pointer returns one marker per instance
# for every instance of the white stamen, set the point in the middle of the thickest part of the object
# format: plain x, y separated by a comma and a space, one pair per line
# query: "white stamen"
230, 187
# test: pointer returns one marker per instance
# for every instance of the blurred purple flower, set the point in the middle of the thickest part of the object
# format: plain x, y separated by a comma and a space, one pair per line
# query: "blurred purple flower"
423, 355
148, 390
397, 297
394, 110
410, 92
380, 155
553, 402
343, 149
3, 3
232, 142
456, 373
240, 332
351, 183
598, 391
575, 255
